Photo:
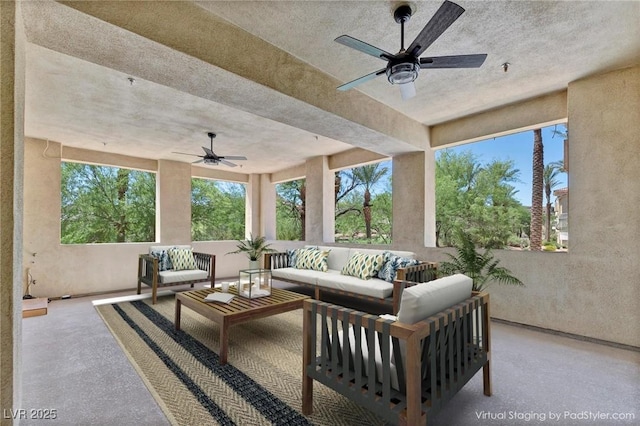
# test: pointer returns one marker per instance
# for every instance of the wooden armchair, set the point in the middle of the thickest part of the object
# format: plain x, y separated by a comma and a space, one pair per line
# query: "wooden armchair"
418, 368
150, 273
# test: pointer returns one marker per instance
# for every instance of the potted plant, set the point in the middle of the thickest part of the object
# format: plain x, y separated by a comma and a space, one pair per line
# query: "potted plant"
482, 268
253, 248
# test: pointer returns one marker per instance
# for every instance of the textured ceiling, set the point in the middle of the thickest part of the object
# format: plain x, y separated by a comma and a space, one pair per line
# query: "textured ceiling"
78, 92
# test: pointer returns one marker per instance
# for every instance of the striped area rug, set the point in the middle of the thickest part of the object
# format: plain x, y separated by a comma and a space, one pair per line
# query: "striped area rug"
260, 385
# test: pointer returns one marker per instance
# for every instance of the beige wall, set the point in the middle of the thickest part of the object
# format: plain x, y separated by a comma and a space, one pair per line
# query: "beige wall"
590, 291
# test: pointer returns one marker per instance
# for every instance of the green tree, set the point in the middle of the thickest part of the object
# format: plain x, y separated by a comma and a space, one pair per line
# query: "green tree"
217, 210
550, 178
368, 176
103, 204
537, 189
290, 210
477, 198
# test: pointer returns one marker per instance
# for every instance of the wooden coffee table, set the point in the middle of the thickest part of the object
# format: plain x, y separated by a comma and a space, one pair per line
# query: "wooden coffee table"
239, 310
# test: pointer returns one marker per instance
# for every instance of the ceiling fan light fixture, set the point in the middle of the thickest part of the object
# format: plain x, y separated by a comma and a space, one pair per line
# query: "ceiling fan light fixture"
402, 73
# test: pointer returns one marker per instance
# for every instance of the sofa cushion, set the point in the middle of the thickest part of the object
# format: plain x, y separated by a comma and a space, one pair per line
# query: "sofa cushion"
338, 257
363, 266
182, 259
391, 265
426, 299
168, 277
373, 287
307, 276
312, 259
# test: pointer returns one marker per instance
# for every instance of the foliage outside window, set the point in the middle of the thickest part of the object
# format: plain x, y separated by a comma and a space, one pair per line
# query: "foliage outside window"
217, 210
364, 204
290, 210
102, 204
480, 199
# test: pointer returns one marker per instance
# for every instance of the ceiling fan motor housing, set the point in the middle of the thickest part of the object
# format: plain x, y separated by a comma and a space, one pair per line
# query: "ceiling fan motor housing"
403, 69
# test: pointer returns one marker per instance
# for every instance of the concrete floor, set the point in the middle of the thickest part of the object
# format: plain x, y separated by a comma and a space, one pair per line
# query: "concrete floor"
73, 364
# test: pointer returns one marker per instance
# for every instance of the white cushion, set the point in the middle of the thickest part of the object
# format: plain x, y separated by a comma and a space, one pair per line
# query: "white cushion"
409, 254
338, 257
373, 287
426, 299
168, 277
307, 276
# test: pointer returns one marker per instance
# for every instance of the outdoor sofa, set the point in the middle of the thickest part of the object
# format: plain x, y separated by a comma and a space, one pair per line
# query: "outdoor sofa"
174, 265
403, 368
376, 275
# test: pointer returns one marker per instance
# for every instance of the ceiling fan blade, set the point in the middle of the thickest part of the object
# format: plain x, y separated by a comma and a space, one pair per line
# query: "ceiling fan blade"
234, 157
443, 18
363, 47
407, 90
209, 152
185, 153
228, 163
457, 61
361, 80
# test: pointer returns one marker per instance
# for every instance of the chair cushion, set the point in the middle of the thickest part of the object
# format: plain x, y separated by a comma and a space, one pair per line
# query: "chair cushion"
182, 259
312, 259
373, 287
426, 299
363, 266
168, 277
306, 276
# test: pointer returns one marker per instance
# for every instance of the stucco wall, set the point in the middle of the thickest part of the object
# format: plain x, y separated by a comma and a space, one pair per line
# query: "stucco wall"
592, 290
92, 268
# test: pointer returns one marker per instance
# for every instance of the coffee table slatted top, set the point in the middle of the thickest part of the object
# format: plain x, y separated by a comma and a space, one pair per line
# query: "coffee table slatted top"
239, 310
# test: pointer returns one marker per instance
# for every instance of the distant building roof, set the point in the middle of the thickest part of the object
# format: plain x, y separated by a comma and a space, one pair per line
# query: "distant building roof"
561, 191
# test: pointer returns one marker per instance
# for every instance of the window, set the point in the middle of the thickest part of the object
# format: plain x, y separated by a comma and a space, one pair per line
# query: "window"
363, 204
102, 204
485, 188
217, 210
290, 210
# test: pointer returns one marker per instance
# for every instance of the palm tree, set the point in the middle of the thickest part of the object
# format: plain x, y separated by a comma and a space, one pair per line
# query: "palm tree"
536, 196
482, 268
551, 172
368, 175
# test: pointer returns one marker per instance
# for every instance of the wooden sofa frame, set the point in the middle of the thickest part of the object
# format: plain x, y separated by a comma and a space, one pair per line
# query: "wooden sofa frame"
443, 353
425, 271
148, 270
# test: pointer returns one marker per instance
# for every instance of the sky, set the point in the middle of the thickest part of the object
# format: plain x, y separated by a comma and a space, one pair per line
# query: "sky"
519, 148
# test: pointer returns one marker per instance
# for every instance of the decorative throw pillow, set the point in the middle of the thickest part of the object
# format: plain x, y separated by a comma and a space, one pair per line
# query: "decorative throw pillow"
182, 259
393, 263
292, 254
363, 265
164, 262
312, 259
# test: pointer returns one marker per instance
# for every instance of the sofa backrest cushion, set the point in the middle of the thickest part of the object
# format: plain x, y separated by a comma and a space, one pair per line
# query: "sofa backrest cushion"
426, 299
338, 257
